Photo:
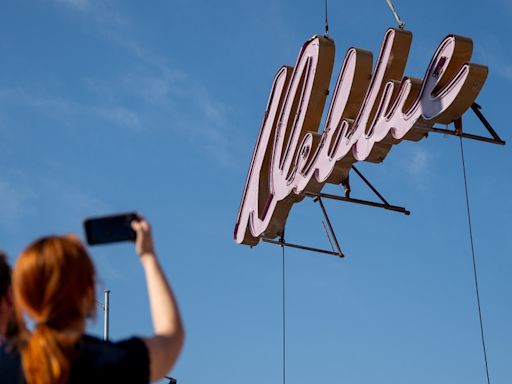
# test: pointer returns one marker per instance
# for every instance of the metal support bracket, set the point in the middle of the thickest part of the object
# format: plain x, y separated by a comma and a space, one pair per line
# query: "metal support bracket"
388, 207
282, 242
383, 205
495, 139
329, 231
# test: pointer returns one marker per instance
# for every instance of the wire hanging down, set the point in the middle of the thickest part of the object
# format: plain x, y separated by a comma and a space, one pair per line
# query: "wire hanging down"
475, 274
400, 22
326, 21
284, 318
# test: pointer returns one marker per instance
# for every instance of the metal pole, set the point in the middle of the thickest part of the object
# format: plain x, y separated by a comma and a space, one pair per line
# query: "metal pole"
106, 308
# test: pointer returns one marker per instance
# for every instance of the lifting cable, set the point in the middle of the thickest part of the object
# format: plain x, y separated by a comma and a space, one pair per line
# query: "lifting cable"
326, 20
284, 319
475, 274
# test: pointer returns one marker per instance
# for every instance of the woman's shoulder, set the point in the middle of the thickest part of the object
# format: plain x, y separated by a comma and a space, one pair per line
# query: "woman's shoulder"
93, 343
99, 351
100, 360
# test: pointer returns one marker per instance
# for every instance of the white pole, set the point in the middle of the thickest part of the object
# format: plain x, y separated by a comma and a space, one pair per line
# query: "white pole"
106, 308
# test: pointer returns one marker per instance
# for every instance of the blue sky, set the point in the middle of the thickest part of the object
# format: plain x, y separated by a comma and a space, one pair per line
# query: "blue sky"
112, 106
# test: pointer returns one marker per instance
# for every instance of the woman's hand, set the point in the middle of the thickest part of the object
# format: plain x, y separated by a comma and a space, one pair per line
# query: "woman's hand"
144, 240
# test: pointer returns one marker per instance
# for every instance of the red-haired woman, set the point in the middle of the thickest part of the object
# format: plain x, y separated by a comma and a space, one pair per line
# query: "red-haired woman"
54, 285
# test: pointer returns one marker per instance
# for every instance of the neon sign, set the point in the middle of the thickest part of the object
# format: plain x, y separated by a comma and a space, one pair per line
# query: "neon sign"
368, 114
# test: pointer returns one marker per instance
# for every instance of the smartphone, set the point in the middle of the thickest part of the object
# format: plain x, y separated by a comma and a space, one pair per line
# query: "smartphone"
110, 229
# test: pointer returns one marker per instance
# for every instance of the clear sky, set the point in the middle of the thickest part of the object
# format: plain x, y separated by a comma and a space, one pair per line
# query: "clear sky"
113, 106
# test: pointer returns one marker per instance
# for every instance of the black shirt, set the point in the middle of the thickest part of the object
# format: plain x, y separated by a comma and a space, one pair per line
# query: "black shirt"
10, 365
97, 361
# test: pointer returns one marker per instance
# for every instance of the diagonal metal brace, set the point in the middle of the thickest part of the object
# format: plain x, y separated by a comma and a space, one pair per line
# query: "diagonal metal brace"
495, 139
370, 185
476, 109
384, 204
318, 198
282, 242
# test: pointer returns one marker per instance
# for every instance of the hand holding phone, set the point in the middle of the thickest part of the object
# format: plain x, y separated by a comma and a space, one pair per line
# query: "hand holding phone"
144, 241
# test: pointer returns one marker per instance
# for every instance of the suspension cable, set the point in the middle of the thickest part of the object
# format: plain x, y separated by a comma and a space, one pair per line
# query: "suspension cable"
284, 318
475, 274
400, 22
326, 20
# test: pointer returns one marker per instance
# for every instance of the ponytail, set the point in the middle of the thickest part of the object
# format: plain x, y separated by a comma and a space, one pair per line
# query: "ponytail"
47, 356
53, 283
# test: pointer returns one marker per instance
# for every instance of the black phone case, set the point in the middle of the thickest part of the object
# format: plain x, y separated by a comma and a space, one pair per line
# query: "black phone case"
110, 229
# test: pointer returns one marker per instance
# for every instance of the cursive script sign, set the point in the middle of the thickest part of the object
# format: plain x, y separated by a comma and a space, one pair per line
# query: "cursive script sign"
369, 113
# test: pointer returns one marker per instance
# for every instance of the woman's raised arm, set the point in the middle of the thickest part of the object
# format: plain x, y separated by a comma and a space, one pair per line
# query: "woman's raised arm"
165, 346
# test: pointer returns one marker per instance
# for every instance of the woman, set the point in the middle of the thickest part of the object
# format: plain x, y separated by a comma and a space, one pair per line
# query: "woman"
8, 327
10, 371
53, 284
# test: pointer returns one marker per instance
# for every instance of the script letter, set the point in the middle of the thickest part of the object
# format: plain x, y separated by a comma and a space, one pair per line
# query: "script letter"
257, 193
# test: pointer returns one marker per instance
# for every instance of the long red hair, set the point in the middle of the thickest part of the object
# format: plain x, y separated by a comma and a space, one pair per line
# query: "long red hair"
53, 283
